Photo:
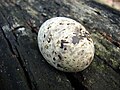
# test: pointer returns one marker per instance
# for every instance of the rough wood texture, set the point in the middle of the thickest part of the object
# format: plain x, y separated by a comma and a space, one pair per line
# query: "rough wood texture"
22, 67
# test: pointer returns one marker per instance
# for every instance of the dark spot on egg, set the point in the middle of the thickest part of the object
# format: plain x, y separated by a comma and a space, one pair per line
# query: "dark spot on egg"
65, 57
66, 37
48, 55
62, 43
49, 27
81, 37
58, 42
68, 23
59, 57
65, 48
59, 66
64, 29
73, 59
61, 23
55, 53
90, 58
86, 33
83, 31
54, 59
52, 52
46, 47
44, 35
54, 63
82, 51
87, 63
75, 33
49, 39
89, 39
50, 35
66, 69
89, 42
75, 40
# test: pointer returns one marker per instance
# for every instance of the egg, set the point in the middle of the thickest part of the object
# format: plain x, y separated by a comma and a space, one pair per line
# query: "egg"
65, 44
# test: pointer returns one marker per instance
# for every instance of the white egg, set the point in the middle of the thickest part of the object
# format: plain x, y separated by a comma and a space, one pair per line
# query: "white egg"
65, 44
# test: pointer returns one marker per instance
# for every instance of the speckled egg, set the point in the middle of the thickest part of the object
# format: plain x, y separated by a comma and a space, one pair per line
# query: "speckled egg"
65, 44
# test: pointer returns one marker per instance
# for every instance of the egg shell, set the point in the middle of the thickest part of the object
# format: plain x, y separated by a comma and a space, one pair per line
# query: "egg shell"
65, 44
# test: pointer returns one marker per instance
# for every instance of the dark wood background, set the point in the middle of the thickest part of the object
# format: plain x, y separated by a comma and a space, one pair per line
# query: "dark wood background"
22, 67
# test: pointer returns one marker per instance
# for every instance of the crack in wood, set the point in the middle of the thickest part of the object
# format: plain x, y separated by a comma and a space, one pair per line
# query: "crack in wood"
27, 73
9, 44
19, 59
116, 70
76, 84
16, 53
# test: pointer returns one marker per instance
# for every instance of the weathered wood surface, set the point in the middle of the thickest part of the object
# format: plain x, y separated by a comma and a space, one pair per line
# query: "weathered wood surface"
22, 67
